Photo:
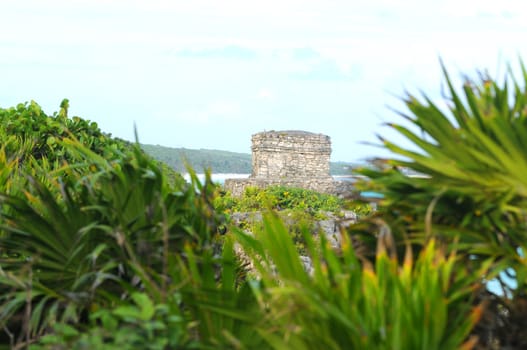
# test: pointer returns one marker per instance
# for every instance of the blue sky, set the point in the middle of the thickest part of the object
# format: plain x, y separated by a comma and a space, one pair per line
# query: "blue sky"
209, 74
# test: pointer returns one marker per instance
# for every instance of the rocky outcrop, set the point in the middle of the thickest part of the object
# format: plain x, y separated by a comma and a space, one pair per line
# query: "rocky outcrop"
332, 227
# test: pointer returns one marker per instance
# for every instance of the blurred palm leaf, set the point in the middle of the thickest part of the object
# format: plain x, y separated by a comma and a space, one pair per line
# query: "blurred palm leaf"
346, 303
86, 238
473, 163
470, 190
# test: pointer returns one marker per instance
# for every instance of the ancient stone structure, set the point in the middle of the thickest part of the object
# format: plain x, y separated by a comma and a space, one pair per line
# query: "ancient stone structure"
289, 158
290, 154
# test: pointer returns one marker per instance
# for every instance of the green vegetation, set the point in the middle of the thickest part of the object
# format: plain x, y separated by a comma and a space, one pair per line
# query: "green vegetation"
347, 303
299, 209
29, 134
101, 247
279, 198
472, 196
219, 162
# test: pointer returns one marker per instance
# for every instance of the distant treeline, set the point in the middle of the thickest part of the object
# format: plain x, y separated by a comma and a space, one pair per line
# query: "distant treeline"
220, 162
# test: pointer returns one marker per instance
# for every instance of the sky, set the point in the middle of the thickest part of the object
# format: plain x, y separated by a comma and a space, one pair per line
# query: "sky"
209, 74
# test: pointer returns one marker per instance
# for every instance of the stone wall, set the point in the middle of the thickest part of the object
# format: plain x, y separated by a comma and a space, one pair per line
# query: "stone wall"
290, 154
290, 158
237, 186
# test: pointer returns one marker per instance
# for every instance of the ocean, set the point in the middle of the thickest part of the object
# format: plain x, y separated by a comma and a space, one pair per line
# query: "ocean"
220, 178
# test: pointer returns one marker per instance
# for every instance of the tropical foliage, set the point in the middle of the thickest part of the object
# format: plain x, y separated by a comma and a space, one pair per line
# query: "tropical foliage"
299, 208
280, 198
102, 247
348, 303
471, 194
109, 234
25, 130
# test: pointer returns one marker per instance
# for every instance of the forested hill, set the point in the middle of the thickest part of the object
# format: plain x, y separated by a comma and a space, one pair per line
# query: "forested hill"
218, 161
221, 162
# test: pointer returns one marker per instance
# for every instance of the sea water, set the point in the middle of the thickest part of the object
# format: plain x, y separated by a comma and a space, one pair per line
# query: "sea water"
220, 178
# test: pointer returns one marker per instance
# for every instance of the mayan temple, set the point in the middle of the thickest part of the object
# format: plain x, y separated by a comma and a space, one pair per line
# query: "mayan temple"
289, 158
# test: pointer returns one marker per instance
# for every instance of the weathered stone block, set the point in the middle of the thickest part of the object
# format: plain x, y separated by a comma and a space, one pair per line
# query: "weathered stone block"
290, 158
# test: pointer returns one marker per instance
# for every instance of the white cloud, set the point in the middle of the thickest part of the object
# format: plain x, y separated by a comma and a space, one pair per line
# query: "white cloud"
265, 94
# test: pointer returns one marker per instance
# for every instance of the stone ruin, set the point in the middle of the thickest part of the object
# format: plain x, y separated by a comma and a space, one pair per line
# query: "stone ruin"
290, 158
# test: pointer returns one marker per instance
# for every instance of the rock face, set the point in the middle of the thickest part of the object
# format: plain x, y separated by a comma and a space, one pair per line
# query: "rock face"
332, 227
290, 158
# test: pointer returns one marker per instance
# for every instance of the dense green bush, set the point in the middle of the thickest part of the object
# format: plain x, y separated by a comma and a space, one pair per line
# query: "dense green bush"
27, 132
35, 142
299, 208
280, 198
76, 260
350, 303
82, 233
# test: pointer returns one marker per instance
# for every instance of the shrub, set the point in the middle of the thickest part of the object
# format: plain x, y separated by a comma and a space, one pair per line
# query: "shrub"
280, 198
472, 190
108, 232
112, 245
349, 303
